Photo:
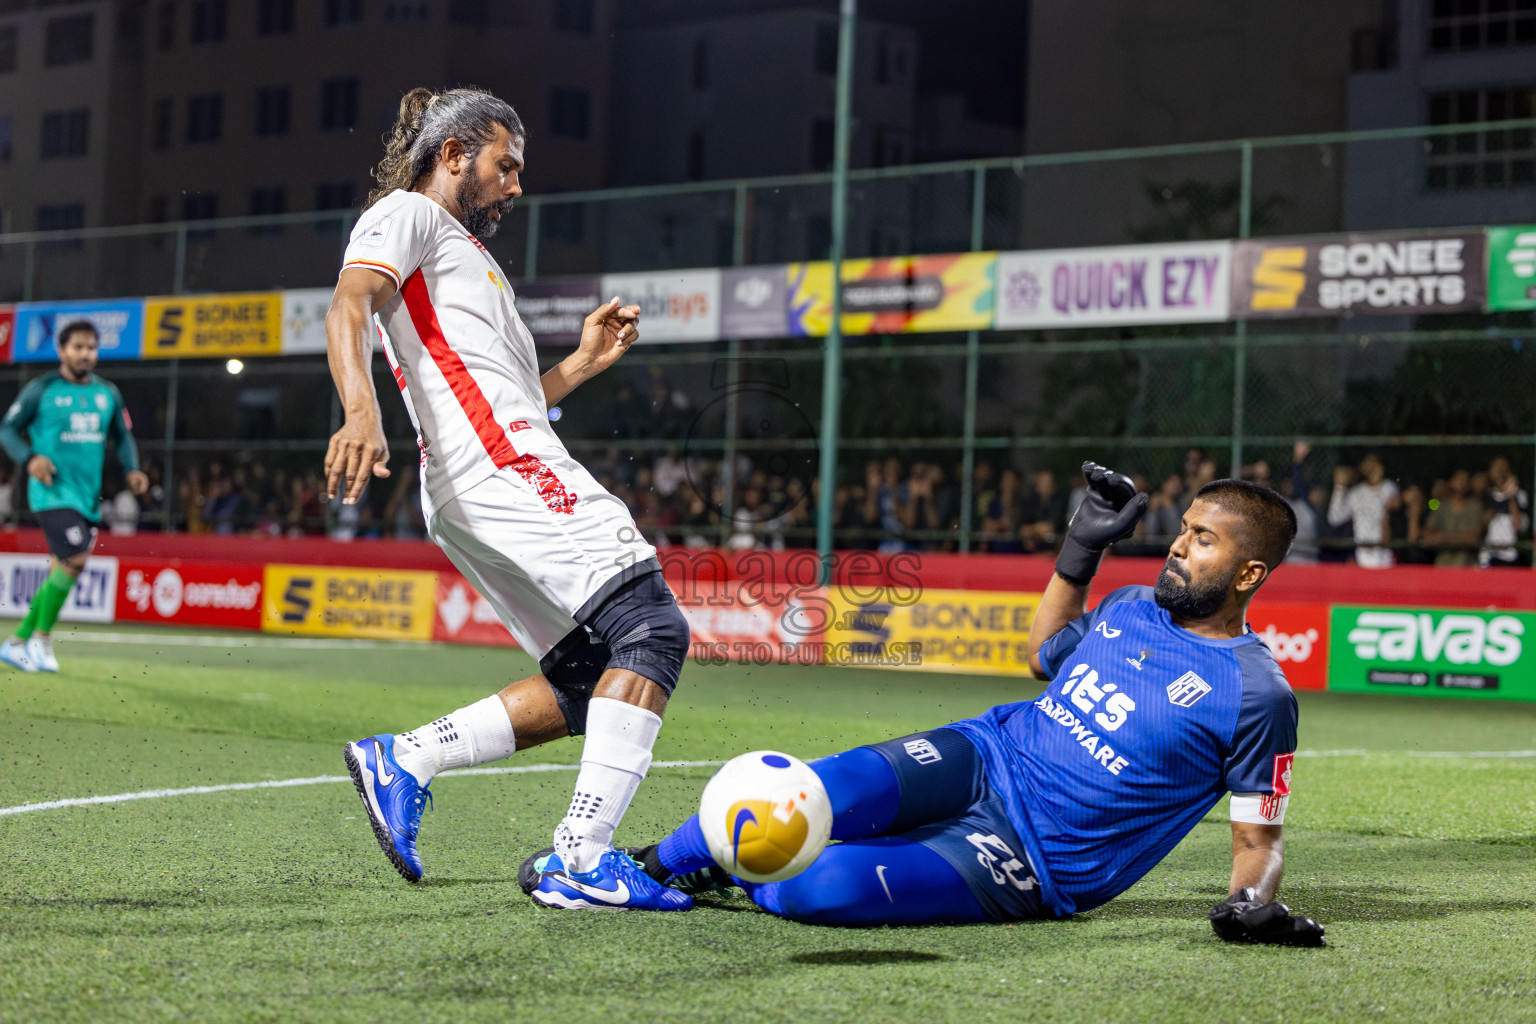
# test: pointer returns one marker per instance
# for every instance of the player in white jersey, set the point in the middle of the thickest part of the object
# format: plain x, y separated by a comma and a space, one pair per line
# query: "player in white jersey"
558, 556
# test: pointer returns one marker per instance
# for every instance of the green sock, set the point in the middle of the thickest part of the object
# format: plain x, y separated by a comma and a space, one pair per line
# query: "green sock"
50, 599
29, 624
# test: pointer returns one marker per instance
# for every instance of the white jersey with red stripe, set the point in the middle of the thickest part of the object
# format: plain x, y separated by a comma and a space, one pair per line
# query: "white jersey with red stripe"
463, 359
520, 518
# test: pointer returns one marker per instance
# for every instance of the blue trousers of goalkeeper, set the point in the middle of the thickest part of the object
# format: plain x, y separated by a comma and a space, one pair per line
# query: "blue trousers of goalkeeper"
919, 838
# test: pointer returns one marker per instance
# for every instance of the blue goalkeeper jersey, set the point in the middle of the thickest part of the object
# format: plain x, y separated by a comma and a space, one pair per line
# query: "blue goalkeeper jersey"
1143, 728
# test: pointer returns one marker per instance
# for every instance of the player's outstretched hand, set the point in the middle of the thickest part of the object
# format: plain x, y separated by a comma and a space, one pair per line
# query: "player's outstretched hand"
607, 334
1241, 917
357, 451
1109, 513
41, 468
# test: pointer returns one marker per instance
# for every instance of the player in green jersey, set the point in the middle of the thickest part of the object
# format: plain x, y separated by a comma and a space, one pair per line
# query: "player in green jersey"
68, 418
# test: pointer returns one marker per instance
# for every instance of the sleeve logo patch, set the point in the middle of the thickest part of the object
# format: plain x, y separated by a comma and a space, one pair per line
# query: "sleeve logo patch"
1282, 780
1187, 689
1271, 805
374, 236
517, 425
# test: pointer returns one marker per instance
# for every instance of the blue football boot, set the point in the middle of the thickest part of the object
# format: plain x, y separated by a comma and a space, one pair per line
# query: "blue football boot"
617, 883
393, 799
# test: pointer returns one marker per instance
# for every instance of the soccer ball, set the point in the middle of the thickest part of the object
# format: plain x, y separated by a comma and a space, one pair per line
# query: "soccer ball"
765, 816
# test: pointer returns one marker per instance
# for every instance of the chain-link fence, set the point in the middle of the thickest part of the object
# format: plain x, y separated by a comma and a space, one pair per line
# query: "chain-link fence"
946, 440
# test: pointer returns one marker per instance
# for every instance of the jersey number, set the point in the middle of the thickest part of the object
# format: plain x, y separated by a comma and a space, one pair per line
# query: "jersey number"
991, 854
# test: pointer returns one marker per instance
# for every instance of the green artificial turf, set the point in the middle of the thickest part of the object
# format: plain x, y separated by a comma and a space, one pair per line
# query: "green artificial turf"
276, 904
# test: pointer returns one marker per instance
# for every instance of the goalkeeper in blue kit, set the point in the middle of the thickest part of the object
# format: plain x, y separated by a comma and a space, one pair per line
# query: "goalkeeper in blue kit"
1161, 700
58, 430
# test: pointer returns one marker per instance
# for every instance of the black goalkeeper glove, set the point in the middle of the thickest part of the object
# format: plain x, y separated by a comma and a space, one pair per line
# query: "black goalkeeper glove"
1242, 918
1109, 513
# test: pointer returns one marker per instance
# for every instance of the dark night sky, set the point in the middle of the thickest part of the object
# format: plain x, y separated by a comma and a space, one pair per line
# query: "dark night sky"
975, 47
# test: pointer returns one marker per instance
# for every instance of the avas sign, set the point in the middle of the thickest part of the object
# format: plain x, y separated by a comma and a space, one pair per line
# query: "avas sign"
1432, 651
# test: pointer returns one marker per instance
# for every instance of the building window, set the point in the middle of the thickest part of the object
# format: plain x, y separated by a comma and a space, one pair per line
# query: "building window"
208, 20
892, 63
334, 195
69, 40
564, 222
1460, 25
405, 12
205, 118
272, 110
199, 205
826, 48
61, 217
66, 133
7, 134
9, 43
890, 147
160, 124
338, 104
570, 112
343, 12
576, 16
274, 18
1493, 159
269, 200
157, 210
823, 134
696, 156
700, 64
266, 202
165, 26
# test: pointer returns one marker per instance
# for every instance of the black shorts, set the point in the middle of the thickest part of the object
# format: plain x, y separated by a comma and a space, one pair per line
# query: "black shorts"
642, 608
69, 533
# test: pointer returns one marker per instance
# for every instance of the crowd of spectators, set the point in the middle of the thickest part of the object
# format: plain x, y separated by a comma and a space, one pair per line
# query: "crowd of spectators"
1467, 518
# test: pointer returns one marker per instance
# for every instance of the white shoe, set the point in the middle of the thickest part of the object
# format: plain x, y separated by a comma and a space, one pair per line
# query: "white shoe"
40, 653
14, 653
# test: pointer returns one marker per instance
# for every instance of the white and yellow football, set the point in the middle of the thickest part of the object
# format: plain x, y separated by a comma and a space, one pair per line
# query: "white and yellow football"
766, 816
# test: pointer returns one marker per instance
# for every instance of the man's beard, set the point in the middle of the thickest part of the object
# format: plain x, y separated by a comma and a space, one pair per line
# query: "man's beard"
1187, 600
477, 219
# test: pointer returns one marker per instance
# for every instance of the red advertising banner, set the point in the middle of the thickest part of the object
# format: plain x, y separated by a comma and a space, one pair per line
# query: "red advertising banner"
757, 623
7, 332
1298, 636
226, 594
464, 617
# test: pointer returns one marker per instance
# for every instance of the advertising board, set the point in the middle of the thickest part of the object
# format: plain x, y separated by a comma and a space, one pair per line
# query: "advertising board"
1349, 275
93, 599
942, 630
675, 305
213, 326
1512, 268
1434, 652
894, 295
554, 311
223, 594
1184, 282
384, 604
119, 322
462, 616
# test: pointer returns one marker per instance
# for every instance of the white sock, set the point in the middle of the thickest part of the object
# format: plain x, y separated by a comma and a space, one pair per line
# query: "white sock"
472, 735
614, 758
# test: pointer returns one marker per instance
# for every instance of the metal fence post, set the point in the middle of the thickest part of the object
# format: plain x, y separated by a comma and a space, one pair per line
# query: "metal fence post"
28, 270
168, 463
531, 243
1240, 328
832, 363
972, 369
732, 379
179, 273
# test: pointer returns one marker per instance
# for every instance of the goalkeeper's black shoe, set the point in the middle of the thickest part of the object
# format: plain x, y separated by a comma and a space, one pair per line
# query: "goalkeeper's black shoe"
710, 879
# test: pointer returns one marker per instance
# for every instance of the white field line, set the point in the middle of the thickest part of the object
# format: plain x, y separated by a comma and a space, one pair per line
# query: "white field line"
527, 769
223, 640
156, 794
